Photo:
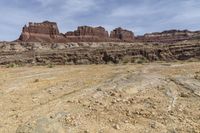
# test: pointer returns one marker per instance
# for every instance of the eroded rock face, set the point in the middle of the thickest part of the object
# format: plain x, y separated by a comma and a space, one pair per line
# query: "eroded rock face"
169, 36
87, 33
40, 32
48, 32
122, 34
96, 53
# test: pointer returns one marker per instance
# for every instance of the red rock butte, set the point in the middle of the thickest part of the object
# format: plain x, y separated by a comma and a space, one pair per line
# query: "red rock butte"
49, 32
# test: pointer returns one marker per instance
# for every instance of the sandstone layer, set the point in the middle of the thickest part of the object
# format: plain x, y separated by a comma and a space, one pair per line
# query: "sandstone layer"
122, 35
41, 32
88, 34
96, 53
48, 32
169, 36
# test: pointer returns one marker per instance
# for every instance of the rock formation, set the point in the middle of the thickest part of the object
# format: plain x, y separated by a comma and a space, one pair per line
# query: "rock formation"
122, 35
48, 32
40, 32
87, 33
96, 52
169, 36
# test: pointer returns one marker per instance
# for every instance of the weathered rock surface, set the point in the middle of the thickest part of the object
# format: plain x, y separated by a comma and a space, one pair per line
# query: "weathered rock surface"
169, 36
48, 32
96, 53
41, 32
122, 34
88, 34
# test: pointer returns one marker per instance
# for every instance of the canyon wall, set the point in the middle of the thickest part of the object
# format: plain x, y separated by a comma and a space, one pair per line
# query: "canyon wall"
122, 35
169, 36
88, 34
41, 32
49, 32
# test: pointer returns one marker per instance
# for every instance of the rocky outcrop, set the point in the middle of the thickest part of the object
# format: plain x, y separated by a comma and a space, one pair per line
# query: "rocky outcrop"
122, 34
48, 32
95, 53
89, 31
41, 32
169, 36
88, 34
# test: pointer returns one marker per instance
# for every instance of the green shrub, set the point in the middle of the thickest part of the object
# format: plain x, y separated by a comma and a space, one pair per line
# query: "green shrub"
127, 59
140, 60
50, 66
12, 65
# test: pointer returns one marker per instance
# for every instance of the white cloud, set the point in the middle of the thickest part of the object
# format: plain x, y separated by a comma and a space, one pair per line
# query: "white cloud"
140, 15
45, 3
72, 7
132, 11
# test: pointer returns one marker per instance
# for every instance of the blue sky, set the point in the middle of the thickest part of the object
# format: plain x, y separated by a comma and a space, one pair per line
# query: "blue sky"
140, 16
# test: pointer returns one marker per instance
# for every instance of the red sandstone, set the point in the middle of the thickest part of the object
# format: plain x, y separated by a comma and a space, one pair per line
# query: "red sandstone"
49, 32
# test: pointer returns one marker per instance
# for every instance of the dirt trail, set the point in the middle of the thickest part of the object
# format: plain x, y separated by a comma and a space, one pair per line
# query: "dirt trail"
155, 97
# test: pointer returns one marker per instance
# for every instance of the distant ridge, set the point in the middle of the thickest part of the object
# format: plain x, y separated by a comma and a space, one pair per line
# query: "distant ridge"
48, 32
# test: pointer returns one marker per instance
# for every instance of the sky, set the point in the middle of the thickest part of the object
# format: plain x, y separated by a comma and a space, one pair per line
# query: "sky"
140, 16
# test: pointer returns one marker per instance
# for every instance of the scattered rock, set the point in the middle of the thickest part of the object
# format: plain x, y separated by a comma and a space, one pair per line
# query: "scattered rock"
116, 126
153, 125
182, 94
99, 89
36, 80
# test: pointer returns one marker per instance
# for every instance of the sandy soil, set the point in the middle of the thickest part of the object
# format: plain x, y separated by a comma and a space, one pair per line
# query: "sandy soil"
148, 98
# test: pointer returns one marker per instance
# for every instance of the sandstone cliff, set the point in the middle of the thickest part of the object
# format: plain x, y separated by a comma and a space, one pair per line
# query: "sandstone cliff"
88, 34
122, 35
40, 32
169, 36
48, 32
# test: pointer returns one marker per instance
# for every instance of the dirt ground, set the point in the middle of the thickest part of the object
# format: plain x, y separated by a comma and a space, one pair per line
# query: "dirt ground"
132, 98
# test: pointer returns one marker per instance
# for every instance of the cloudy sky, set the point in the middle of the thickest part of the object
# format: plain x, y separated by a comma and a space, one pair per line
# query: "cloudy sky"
140, 16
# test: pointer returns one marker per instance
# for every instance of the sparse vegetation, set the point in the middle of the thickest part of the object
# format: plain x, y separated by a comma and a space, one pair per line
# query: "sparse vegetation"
127, 59
197, 75
12, 65
131, 59
50, 65
140, 60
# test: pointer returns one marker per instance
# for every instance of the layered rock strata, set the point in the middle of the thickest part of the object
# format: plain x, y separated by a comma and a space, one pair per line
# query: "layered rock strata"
122, 35
88, 34
49, 32
95, 53
169, 36
41, 32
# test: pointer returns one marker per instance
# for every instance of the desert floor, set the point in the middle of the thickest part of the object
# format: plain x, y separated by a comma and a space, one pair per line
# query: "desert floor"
137, 98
